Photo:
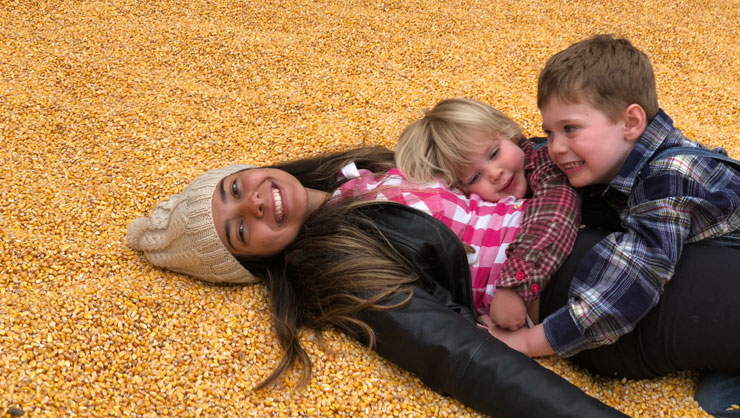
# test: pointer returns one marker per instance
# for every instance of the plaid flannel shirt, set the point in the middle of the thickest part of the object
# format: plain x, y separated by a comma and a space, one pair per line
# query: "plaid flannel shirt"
663, 204
549, 227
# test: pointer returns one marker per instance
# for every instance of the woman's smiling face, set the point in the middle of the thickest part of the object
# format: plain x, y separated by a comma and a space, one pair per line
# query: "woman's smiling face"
259, 211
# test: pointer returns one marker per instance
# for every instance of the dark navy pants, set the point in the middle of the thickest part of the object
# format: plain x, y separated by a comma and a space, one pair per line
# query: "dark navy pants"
696, 325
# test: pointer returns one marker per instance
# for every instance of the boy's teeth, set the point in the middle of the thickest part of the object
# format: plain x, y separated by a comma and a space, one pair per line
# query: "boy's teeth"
573, 164
278, 204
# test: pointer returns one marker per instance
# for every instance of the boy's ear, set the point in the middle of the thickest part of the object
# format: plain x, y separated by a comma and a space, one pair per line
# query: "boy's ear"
635, 122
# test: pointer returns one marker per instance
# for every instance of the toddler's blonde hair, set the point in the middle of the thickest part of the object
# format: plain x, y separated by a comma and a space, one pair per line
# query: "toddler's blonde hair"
438, 144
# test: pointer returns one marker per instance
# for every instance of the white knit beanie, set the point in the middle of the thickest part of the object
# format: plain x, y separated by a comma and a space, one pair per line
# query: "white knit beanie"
179, 235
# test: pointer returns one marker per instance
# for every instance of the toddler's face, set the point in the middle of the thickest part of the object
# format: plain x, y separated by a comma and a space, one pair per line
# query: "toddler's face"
584, 143
496, 169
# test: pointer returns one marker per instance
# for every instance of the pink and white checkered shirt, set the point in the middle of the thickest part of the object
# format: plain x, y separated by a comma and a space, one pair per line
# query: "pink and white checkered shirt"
487, 227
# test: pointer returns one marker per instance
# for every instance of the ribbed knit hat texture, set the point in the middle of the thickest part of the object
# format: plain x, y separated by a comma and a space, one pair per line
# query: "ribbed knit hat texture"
179, 235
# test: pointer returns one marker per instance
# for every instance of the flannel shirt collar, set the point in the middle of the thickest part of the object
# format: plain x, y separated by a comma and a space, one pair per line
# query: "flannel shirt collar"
528, 147
652, 140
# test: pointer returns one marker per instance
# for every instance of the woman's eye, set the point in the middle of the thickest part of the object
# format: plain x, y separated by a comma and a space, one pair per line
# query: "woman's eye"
234, 189
241, 231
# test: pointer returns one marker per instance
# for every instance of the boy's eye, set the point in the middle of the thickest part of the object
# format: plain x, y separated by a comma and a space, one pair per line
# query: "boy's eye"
548, 134
493, 155
234, 189
570, 128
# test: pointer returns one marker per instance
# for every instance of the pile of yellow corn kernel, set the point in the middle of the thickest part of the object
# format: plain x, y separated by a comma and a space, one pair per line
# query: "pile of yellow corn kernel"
108, 107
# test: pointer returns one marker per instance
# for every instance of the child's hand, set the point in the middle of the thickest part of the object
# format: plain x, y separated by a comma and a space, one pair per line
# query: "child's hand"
484, 321
508, 310
529, 341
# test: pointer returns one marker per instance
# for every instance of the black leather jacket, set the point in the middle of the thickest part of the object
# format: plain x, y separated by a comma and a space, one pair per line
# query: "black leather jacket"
435, 335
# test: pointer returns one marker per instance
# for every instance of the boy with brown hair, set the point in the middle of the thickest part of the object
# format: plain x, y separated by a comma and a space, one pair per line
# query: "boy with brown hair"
605, 130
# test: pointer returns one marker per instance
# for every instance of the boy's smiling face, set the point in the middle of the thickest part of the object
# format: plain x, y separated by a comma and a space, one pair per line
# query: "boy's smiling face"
584, 143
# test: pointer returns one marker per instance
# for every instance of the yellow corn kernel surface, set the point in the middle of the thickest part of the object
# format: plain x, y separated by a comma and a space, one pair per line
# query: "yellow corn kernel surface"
108, 107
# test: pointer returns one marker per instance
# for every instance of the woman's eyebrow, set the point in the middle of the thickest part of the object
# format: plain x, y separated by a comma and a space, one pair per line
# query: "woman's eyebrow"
227, 223
223, 191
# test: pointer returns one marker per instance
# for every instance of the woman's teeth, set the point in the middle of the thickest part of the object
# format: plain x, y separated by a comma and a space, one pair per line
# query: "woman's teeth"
277, 198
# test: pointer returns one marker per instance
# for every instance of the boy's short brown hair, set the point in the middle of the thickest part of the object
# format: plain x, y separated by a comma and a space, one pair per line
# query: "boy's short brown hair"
608, 73
437, 145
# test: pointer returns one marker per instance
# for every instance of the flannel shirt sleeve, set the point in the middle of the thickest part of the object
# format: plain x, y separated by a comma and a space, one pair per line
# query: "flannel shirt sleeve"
549, 227
622, 278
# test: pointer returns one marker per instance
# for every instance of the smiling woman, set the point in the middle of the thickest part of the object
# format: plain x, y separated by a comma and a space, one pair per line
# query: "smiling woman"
259, 211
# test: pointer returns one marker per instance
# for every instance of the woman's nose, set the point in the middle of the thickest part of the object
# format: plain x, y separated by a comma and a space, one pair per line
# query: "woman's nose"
257, 204
253, 205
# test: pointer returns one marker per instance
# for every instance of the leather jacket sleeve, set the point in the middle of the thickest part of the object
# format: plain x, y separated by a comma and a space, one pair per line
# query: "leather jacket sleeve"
436, 338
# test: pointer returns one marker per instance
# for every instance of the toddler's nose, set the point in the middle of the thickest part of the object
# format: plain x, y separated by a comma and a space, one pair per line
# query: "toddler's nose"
495, 174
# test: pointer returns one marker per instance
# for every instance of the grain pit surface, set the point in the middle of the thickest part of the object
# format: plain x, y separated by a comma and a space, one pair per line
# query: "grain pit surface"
108, 107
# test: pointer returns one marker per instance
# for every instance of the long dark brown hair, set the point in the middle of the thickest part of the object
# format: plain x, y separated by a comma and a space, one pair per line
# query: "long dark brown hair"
338, 265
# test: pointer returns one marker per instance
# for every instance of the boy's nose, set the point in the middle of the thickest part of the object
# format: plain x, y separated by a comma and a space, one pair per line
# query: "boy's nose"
557, 145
